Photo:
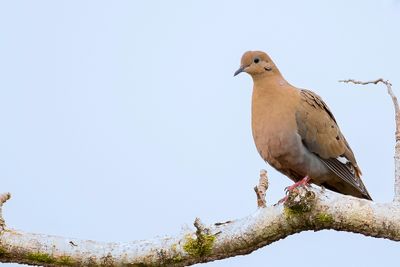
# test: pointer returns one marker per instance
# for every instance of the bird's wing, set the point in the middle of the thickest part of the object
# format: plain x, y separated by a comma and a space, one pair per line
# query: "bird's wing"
321, 135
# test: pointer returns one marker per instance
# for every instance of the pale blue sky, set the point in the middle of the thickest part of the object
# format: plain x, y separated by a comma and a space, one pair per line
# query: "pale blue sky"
120, 120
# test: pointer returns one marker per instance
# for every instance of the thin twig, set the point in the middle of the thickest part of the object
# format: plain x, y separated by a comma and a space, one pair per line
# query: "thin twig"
3, 198
261, 189
397, 134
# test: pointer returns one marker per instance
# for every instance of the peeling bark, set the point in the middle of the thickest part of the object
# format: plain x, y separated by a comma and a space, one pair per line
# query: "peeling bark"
305, 208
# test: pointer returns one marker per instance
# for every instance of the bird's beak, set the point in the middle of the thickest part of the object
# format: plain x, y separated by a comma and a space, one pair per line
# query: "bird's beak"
241, 69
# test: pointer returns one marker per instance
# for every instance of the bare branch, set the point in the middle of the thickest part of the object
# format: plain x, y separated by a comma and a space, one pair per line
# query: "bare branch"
397, 133
305, 209
364, 83
261, 188
391, 94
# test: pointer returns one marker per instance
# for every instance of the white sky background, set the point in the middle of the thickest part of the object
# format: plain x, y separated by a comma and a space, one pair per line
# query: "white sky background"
122, 121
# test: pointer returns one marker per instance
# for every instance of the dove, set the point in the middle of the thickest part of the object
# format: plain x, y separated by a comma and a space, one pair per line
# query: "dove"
296, 133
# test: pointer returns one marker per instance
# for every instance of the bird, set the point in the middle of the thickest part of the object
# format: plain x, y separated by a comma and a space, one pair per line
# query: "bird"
296, 133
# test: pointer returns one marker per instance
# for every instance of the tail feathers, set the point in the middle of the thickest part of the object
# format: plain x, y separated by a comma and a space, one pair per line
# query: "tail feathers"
350, 176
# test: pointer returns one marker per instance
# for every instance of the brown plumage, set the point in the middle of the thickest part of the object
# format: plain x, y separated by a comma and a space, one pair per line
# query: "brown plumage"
296, 133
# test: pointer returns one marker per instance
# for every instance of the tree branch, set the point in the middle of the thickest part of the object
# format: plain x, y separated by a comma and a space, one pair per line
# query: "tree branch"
306, 208
397, 133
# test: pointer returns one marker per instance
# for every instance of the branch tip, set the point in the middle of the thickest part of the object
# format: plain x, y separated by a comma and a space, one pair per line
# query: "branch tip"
4, 197
261, 189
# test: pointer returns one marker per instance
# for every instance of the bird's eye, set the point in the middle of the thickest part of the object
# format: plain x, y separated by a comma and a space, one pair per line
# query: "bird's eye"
256, 60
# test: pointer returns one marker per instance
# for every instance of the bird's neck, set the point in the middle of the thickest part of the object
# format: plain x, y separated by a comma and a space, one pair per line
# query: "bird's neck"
269, 84
270, 93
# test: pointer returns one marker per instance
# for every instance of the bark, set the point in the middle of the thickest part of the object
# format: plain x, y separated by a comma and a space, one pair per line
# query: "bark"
306, 208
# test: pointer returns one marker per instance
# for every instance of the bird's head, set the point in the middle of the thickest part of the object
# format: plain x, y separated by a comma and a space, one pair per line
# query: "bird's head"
257, 64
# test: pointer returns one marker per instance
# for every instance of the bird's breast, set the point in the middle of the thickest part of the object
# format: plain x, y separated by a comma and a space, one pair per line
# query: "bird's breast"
274, 125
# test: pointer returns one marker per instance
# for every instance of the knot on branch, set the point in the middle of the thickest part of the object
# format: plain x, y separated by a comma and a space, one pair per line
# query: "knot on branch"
300, 200
203, 244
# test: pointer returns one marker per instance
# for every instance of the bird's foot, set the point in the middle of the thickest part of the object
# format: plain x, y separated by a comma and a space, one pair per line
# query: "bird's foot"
302, 182
283, 200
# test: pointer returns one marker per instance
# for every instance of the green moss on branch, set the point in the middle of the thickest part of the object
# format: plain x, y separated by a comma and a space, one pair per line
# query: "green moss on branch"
200, 246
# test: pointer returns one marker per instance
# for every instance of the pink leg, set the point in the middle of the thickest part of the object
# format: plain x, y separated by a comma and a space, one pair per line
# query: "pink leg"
302, 182
283, 200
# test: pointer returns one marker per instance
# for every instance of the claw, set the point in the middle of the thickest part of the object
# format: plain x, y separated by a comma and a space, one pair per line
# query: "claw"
283, 200
302, 182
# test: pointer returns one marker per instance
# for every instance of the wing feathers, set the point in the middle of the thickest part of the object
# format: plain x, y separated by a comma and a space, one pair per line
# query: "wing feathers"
321, 135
